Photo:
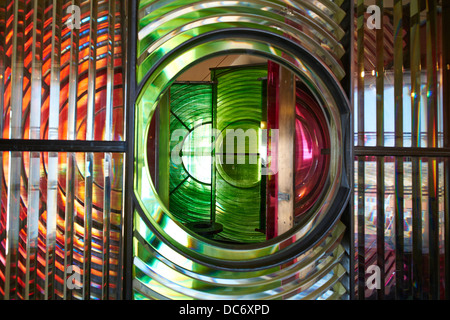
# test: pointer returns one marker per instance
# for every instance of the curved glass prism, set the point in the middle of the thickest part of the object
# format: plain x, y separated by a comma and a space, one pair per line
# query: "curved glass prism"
171, 260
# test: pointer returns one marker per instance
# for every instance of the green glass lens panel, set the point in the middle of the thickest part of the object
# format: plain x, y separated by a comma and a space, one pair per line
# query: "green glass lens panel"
196, 153
227, 190
168, 256
238, 117
190, 161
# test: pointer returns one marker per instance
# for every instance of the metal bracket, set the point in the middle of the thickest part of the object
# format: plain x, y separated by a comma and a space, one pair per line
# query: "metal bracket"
284, 196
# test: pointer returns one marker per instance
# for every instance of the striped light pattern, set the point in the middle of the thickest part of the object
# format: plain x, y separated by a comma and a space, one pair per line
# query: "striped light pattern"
401, 150
169, 262
61, 212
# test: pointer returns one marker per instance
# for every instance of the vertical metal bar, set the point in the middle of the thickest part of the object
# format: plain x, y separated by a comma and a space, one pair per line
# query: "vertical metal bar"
432, 104
361, 229
110, 70
264, 146
164, 148
71, 156
118, 293
2, 67
53, 128
55, 85
446, 120
2, 108
89, 156
380, 222
52, 203
415, 52
447, 225
73, 80
416, 163
15, 158
156, 145
399, 189
380, 143
123, 12
285, 218
122, 33
348, 241
273, 70
130, 73
17, 71
407, 240
360, 9
36, 72
213, 146
107, 171
12, 225
92, 69
399, 228
34, 166
108, 156
68, 224
89, 171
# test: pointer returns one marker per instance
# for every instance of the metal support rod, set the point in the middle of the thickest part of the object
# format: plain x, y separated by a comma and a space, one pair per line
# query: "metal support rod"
164, 148
285, 218
130, 38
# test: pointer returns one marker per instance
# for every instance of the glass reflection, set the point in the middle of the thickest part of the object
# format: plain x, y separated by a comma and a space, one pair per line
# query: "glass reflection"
223, 158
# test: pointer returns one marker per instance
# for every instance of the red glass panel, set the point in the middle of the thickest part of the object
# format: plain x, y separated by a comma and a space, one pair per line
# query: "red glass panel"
311, 152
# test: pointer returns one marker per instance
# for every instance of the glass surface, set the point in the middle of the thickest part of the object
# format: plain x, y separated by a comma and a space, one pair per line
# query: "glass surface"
398, 204
400, 171
238, 115
219, 150
212, 199
190, 151
311, 152
45, 209
50, 79
61, 78
172, 261
196, 154
389, 110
